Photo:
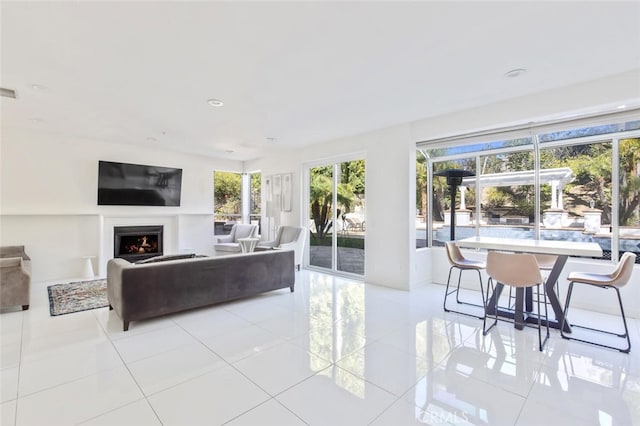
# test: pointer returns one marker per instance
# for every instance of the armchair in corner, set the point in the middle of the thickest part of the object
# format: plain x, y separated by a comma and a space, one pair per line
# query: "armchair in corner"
229, 243
287, 238
15, 277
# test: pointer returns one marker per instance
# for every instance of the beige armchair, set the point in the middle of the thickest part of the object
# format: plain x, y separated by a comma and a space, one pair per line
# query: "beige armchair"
518, 270
15, 277
461, 263
288, 238
615, 279
229, 243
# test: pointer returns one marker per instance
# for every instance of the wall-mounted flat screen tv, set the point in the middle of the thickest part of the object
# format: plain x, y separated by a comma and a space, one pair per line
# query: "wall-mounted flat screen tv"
123, 184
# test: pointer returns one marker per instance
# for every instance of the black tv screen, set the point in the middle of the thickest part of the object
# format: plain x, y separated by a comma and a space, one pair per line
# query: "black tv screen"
122, 184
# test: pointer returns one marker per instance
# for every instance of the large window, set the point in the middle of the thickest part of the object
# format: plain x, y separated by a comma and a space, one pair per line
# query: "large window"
442, 200
236, 199
546, 183
255, 199
629, 195
586, 189
507, 193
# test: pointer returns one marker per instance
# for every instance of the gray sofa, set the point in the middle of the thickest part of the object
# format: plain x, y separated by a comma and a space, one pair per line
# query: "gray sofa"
155, 288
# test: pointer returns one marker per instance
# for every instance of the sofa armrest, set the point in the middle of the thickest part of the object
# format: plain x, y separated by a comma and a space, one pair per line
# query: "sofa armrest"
224, 239
6, 262
20, 264
114, 282
266, 244
288, 246
13, 251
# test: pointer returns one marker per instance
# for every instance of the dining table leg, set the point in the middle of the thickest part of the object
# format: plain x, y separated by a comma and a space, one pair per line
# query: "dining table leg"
528, 299
517, 314
551, 292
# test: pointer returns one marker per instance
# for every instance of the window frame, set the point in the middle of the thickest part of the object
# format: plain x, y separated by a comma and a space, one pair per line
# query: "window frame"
533, 132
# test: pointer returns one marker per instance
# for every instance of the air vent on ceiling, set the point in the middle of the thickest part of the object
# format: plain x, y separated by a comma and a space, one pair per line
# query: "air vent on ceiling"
7, 93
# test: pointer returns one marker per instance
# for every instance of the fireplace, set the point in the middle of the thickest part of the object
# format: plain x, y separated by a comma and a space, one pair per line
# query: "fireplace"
135, 243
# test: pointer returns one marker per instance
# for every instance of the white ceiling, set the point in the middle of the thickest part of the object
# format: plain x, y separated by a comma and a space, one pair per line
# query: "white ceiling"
299, 72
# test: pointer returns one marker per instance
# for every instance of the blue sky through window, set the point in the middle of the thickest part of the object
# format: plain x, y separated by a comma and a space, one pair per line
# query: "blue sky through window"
590, 131
484, 146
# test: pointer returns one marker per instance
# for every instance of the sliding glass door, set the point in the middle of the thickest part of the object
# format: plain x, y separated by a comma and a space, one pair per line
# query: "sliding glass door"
337, 216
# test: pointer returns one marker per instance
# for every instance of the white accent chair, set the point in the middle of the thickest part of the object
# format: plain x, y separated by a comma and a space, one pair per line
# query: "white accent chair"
229, 243
287, 238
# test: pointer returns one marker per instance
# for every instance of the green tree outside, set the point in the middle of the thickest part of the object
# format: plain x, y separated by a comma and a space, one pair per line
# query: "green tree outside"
351, 190
630, 182
227, 198
591, 164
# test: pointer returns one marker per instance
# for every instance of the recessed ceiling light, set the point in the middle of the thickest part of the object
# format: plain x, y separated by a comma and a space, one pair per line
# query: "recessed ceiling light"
515, 73
215, 102
621, 106
37, 87
36, 120
271, 140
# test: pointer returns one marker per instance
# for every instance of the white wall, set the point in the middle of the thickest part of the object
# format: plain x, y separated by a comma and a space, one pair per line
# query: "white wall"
289, 162
390, 192
389, 248
55, 243
49, 200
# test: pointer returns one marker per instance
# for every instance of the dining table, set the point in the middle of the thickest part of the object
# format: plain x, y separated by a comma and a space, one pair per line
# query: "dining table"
559, 248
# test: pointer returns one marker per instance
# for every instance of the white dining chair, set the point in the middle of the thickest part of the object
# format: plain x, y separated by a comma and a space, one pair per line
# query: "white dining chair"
516, 270
546, 262
615, 280
461, 263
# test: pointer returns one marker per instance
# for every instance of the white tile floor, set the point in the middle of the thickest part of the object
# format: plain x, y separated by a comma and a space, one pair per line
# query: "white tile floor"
335, 352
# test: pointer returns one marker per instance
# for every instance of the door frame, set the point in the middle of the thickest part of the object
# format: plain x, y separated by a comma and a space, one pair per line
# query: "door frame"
306, 218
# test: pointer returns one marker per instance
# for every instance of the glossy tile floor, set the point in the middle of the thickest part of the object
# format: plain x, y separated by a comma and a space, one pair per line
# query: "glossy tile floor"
335, 352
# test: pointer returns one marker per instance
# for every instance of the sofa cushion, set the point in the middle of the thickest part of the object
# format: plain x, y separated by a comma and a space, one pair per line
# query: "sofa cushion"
7, 262
166, 257
231, 247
